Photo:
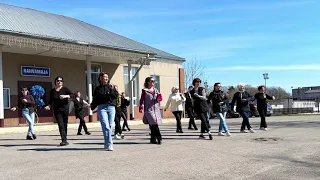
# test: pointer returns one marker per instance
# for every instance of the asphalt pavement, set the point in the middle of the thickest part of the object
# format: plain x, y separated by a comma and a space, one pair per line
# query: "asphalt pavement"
290, 149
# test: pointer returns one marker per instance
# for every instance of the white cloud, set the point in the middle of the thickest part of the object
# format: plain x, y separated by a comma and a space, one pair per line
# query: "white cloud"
268, 68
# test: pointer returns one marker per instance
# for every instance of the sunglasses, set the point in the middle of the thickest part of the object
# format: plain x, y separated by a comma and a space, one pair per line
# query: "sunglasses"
59, 80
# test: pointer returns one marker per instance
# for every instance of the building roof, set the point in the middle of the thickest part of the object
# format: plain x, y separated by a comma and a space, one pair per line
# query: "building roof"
39, 24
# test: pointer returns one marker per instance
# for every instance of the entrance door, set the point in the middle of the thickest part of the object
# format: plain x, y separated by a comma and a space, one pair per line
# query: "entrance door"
44, 116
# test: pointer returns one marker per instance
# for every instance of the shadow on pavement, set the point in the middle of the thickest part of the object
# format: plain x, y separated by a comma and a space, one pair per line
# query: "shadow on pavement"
63, 149
19, 145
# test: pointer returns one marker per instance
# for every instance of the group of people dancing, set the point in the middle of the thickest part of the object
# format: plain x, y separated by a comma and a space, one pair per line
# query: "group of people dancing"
111, 106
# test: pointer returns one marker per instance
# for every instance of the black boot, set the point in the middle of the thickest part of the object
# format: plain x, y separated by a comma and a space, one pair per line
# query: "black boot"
64, 143
34, 136
29, 137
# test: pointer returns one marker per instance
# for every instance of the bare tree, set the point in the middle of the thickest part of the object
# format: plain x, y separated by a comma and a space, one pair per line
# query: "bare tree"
193, 69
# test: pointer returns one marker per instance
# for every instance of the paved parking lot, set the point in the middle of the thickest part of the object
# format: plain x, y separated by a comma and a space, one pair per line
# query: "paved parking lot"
289, 150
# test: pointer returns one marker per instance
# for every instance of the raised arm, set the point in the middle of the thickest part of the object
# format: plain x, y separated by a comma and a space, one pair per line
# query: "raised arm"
270, 97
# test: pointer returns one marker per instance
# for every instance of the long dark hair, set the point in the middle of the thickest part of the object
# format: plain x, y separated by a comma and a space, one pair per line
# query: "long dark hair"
146, 81
196, 80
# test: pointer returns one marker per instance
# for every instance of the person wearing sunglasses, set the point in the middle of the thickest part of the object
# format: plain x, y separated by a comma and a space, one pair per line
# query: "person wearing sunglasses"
150, 105
198, 94
59, 101
105, 100
26, 104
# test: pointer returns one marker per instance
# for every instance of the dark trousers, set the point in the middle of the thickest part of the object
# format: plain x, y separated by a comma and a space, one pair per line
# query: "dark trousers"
62, 120
117, 128
191, 118
204, 122
82, 124
262, 112
245, 121
155, 133
177, 115
124, 116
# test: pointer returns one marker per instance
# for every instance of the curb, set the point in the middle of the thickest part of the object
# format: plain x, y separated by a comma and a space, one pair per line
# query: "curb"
54, 127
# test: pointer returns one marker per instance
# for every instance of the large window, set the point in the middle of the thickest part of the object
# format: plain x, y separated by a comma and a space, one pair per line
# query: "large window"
135, 83
157, 82
95, 70
6, 98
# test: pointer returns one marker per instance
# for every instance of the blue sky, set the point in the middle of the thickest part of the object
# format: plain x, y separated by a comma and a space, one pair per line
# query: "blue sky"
236, 41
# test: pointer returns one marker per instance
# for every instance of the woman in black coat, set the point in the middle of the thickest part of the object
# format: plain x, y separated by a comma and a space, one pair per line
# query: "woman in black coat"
241, 99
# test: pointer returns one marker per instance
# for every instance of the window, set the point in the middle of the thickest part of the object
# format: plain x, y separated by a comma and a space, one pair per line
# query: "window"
95, 70
6, 98
157, 82
135, 83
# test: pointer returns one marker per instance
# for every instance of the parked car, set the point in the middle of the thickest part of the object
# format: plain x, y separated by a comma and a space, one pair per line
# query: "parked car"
230, 113
253, 110
269, 110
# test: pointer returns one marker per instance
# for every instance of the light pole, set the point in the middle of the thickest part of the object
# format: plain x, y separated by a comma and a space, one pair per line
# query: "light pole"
265, 77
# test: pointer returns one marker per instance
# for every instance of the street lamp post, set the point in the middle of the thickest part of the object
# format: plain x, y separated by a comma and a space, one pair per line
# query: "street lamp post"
265, 77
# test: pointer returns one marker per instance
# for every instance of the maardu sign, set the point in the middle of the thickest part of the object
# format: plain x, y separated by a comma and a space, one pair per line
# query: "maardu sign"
35, 71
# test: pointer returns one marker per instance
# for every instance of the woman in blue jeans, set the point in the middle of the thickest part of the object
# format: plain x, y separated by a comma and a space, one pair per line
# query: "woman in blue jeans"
26, 104
219, 100
105, 98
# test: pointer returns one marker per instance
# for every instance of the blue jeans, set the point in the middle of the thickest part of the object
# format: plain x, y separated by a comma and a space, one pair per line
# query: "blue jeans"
106, 115
30, 120
208, 118
222, 124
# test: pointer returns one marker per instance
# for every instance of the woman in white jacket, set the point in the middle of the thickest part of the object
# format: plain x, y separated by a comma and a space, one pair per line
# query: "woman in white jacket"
175, 101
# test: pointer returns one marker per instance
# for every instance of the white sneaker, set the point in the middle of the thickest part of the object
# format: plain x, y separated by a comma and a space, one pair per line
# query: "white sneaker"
221, 134
110, 148
117, 137
244, 131
228, 133
263, 129
251, 130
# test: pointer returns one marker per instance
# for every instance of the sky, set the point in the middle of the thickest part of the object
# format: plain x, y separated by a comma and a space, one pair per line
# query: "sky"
235, 41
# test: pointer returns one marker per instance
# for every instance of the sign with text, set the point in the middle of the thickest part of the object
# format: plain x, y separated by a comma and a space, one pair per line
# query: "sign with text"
35, 71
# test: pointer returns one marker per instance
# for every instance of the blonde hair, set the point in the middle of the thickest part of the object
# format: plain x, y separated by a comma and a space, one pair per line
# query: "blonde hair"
174, 88
241, 84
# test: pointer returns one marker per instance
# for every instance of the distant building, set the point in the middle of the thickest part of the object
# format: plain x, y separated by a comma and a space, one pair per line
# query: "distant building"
306, 93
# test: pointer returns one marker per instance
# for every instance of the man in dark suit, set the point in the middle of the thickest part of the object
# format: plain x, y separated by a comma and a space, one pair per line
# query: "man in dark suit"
241, 99
189, 109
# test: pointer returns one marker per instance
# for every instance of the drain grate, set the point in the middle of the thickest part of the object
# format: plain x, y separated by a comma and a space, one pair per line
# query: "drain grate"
268, 139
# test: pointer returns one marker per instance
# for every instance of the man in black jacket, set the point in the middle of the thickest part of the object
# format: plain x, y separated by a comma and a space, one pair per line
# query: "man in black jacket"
189, 109
242, 99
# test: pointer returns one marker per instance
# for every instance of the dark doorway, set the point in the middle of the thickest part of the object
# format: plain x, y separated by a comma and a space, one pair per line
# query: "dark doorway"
44, 116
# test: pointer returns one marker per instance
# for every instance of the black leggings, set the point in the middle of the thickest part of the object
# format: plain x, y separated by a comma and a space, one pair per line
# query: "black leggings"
262, 112
204, 122
155, 133
62, 120
177, 115
82, 124
191, 118
124, 115
117, 128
